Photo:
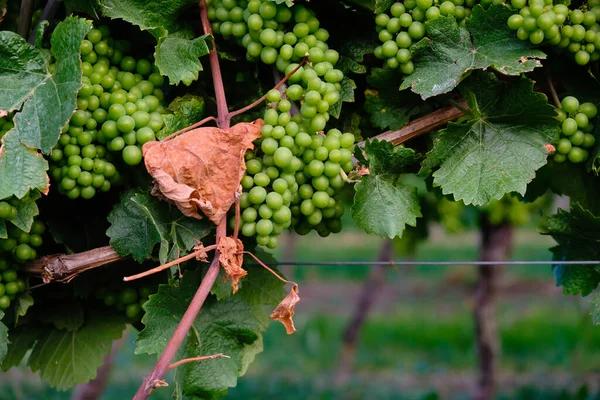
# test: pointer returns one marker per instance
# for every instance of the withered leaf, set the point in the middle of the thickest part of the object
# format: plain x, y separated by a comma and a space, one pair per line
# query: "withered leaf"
200, 251
201, 169
231, 258
285, 310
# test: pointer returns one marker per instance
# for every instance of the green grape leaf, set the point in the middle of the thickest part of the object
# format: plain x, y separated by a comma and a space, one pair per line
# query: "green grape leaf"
346, 95
376, 6
444, 58
177, 58
185, 111
387, 107
21, 169
500, 147
384, 204
3, 339
22, 303
177, 51
27, 210
46, 100
577, 233
65, 358
595, 307
140, 221
21, 339
89, 7
231, 326
64, 315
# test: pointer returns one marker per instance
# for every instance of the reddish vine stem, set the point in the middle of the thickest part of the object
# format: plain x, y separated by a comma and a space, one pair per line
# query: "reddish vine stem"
189, 128
264, 97
193, 254
161, 367
553, 93
194, 359
154, 378
423, 125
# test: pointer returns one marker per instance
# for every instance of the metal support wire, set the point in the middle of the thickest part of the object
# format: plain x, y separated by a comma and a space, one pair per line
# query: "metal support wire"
430, 263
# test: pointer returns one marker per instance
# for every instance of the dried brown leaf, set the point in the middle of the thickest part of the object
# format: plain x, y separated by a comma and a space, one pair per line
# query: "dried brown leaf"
3, 113
231, 258
200, 251
285, 310
201, 169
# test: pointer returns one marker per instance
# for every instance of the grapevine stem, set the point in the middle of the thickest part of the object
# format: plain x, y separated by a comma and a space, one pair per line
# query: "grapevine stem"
264, 97
194, 359
553, 93
189, 128
47, 15
154, 378
423, 125
224, 118
184, 325
25, 18
170, 264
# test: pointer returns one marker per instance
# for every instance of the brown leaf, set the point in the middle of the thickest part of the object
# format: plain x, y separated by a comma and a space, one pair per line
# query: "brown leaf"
231, 258
3, 113
202, 255
201, 169
285, 310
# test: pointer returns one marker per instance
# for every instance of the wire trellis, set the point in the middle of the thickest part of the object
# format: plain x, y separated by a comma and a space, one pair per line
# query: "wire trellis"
428, 263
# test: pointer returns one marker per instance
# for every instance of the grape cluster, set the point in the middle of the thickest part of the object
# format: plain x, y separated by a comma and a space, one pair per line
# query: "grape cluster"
576, 136
276, 34
127, 299
405, 26
296, 169
118, 110
575, 31
17, 248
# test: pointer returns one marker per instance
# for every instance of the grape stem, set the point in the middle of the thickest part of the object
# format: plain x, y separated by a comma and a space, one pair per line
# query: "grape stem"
264, 97
25, 15
553, 93
194, 359
47, 15
423, 125
170, 264
154, 378
189, 128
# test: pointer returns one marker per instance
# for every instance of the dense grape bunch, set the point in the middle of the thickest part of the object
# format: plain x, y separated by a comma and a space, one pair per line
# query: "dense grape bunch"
296, 169
118, 110
404, 25
573, 31
126, 299
576, 130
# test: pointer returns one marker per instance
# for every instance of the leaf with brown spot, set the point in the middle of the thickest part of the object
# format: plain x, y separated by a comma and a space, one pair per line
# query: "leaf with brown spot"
231, 258
201, 169
285, 310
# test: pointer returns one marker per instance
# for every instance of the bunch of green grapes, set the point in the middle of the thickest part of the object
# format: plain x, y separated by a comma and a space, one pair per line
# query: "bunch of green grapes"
404, 25
118, 110
126, 298
575, 31
17, 248
576, 132
296, 169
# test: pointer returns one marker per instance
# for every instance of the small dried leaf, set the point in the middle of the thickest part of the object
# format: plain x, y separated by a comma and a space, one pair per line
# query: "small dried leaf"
3, 113
231, 258
201, 169
285, 310
201, 252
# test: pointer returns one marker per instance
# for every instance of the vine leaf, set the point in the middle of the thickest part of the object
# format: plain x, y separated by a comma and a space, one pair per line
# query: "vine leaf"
387, 107
140, 221
449, 53
45, 102
231, 326
346, 96
499, 149
384, 204
201, 170
185, 111
577, 233
64, 315
376, 6
3, 338
177, 51
27, 210
284, 312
